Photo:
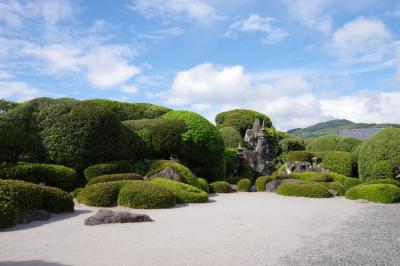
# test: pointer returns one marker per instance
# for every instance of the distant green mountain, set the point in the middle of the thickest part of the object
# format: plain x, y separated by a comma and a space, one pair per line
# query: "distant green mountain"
333, 127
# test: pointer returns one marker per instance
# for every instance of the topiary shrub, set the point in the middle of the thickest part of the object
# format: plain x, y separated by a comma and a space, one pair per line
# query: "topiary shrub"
347, 182
116, 167
383, 193
320, 177
385, 181
75, 192
244, 185
231, 137
101, 194
114, 177
51, 174
19, 196
261, 181
203, 147
187, 175
145, 195
220, 187
240, 119
383, 146
339, 162
382, 170
301, 156
304, 189
183, 193
332, 143
337, 186
204, 184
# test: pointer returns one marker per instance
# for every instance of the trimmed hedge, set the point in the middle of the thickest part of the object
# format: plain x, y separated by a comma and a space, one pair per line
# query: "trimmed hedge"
18, 196
76, 192
220, 187
383, 193
203, 147
347, 182
183, 193
116, 167
145, 195
114, 177
244, 185
385, 181
186, 174
292, 143
51, 174
302, 156
304, 189
339, 162
240, 119
320, 177
382, 170
261, 181
383, 146
332, 143
101, 194
337, 186
204, 184
231, 137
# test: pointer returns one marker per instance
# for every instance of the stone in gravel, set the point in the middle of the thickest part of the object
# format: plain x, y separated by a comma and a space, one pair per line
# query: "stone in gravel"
111, 217
333, 192
34, 215
273, 185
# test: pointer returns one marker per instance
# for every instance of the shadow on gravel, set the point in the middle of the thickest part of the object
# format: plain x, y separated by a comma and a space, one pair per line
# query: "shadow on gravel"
31, 263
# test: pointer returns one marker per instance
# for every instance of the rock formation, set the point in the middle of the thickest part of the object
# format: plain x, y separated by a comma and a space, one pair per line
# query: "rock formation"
109, 217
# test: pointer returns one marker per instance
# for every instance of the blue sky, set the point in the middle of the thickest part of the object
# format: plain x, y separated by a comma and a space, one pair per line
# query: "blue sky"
299, 61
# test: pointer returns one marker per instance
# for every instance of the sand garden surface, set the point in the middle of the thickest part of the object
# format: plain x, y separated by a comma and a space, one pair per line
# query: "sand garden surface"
232, 229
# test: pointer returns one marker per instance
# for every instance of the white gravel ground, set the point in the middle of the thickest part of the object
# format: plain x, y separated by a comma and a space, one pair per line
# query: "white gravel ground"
232, 229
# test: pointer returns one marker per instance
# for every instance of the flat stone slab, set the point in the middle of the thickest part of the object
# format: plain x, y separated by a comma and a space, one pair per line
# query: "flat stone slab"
34, 215
111, 217
273, 185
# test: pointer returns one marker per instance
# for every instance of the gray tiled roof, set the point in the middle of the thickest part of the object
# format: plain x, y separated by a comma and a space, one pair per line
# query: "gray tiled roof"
359, 133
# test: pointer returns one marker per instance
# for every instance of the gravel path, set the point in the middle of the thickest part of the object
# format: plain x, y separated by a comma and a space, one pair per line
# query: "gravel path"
370, 238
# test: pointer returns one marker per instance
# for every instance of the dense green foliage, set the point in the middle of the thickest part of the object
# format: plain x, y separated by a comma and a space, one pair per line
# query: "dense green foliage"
339, 162
101, 194
382, 170
384, 146
244, 185
333, 127
320, 177
302, 156
75, 192
187, 175
204, 184
145, 195
6, 106
19, 196
115, 167
292, 143
332, 143
261, 181
383, 193
347, 182
337, 186
53, 175
385, 181
220, 187
304, 189
231, 137
114, 177
203, 149
183, 193
240, 119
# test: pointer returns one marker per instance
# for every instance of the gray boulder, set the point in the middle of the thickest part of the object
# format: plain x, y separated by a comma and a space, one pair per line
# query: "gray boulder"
111, 217
34, 215
273, 185
168, 173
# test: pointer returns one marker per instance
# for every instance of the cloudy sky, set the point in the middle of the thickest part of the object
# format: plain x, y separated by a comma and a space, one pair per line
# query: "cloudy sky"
298, 61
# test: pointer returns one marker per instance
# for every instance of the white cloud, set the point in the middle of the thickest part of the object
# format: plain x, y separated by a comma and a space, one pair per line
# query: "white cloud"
130, 89
162, 34
257, 23
362, 40
200, 11
20, 91
311, 13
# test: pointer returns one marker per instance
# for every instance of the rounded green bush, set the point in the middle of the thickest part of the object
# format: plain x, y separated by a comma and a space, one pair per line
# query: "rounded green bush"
261, 181
116, 167
240, 119
320, 177
183, 193
203, 147
382, 170
220, 187
383, 193
231, 137
347, 182
56, 200
76, 192
339, 162
301, 156
332, 143
145, 195
383, 146
51, 174
292, 143
8, 214
114, 177
337, 186
187, 175
101, 194
204, 184
244, 185
304, 189
385, 181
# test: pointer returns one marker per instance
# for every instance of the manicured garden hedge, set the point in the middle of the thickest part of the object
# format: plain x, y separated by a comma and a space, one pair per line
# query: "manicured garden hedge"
347, 182
203, 147
101, 194
231, 137
382, 170
302, 156
261, 181
332, 143
240, 119
337, 186
114, 177
385, 181
383, 193
18, 196
220, 187
115, 167
183, 193
53, 175
339, 162
204, 184
304, 189
244, 185
383, 146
